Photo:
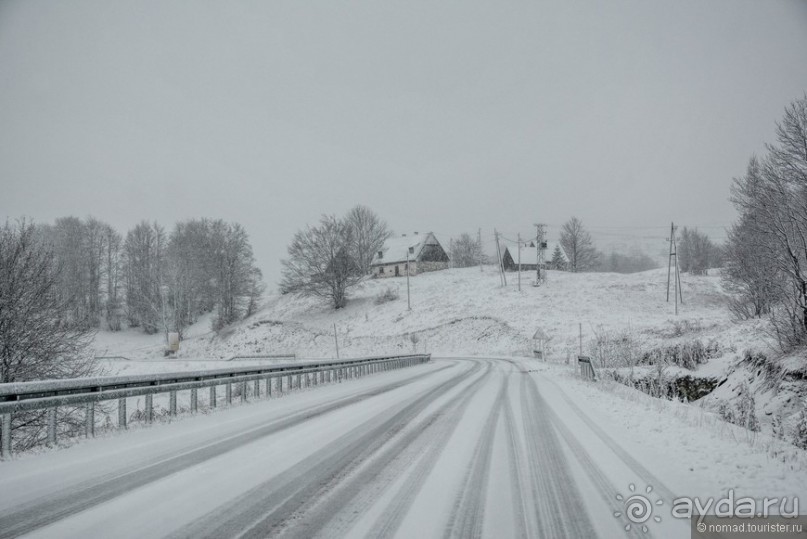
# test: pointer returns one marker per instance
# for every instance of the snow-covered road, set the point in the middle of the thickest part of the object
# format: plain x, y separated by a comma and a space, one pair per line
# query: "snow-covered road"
457, 447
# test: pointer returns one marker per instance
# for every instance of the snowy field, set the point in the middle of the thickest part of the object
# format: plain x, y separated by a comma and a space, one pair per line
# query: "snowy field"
459, 311
458, 447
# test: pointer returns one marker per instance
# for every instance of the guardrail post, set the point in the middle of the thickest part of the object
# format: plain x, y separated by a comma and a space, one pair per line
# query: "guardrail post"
89, 420
172, 403
149, 408
228, 393
194, 400
122, 413
5, 436
52, 426
244, 391
288, 385
268, 386
256, 386
213, 397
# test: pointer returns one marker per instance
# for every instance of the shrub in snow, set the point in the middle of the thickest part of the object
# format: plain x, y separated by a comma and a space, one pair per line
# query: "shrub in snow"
800, 431
745, 414
687, 355
750, 420
777, 429
388, 294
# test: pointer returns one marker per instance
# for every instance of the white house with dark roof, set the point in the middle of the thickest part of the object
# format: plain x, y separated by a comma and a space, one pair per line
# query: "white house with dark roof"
424, 254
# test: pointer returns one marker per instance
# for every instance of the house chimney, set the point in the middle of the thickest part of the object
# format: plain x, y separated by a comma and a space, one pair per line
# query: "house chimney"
416, 233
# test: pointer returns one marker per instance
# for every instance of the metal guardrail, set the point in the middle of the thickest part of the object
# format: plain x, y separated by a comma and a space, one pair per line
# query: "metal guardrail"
264, 356
586, 368
51, 394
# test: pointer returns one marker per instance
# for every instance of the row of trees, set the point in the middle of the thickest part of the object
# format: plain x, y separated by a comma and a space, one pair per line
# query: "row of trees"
766, 252
325, 260
697, 254
151, 279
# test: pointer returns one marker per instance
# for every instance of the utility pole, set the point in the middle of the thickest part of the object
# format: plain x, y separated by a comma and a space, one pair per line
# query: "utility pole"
539, 241
502, 278
519, 261
408, 300
673, 260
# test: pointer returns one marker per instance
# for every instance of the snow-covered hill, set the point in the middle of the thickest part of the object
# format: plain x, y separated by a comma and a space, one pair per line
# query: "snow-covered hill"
462, 311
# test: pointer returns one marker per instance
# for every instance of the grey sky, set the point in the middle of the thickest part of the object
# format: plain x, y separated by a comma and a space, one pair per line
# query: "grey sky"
443, 116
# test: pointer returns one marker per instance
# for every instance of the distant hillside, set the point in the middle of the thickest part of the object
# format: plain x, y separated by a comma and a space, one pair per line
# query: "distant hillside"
458, 311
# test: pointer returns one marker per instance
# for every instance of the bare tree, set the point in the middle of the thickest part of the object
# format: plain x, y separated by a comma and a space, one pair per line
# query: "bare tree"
696, 252
577, 246
369, 234
749, 272
35, 340
320, 262
113, 272
145, 249
772, 201
466, 251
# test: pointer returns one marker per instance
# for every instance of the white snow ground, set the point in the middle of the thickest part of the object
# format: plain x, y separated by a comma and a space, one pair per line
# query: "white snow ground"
458, 447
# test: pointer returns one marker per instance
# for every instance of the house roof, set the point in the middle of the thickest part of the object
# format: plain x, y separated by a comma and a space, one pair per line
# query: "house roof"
395, 249
528, 253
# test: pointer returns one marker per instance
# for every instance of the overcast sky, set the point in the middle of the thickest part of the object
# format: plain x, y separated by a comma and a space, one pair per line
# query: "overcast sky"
442, 116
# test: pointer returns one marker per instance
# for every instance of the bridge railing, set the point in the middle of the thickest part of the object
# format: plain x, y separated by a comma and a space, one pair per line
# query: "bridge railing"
87, 392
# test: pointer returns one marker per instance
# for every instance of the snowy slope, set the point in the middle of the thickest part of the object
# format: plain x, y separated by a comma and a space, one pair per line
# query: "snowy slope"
460, 311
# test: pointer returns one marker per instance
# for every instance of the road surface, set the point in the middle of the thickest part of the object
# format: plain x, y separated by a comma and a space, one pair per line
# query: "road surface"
454, 448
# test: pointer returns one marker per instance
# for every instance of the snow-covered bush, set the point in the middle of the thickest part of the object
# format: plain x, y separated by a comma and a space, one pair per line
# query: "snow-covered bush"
387, 295
799, 435
687, 355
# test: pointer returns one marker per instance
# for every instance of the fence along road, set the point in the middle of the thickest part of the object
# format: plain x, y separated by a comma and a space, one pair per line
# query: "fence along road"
51, 394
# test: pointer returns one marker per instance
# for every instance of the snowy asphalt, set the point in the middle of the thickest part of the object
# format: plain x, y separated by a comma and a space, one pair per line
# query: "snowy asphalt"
455, 448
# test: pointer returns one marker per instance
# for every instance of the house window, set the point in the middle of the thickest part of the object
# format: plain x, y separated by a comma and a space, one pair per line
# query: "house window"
381, 270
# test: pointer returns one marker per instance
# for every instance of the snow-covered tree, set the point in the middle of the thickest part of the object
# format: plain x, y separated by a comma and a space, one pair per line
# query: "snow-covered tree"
146, 292
466, 251
369, 234
320, 262
34, 341
772, 201
696, 252
558, 262
577, 245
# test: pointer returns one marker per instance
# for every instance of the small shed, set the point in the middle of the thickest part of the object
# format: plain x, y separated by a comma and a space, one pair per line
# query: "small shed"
539, 340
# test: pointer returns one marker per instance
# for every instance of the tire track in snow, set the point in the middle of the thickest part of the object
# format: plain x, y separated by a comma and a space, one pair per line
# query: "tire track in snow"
556, 494
29, 516
266, 507
517, 463
393, 516
646, 475
604, 487
348, 501
468, 515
